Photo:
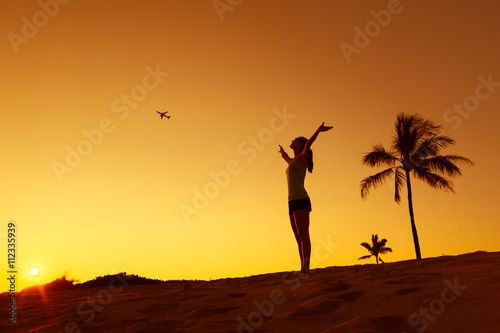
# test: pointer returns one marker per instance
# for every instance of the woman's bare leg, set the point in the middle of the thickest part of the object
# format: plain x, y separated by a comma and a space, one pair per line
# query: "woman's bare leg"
301, 218
296, 233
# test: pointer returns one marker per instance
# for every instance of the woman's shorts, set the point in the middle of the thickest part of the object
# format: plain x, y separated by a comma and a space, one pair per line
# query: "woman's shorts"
294, 205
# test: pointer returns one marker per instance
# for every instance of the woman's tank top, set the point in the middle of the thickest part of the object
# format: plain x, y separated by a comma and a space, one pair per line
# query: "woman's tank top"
296, 174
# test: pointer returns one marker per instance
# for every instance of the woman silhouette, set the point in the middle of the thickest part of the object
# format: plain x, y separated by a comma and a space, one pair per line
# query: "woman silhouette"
299, 204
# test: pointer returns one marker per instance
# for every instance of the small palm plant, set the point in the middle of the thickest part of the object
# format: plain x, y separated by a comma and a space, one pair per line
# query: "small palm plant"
377, 248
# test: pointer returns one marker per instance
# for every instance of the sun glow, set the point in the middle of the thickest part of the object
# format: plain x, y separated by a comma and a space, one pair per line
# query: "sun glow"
34, 271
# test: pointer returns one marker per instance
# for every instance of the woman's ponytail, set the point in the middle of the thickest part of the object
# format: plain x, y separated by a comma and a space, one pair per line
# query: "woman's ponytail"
310, 163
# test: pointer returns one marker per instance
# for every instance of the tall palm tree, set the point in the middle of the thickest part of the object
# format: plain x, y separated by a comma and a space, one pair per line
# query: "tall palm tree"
415, 149
376, 248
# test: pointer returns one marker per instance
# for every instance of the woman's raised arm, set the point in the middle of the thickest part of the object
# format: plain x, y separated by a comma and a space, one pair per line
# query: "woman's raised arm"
320, 129
284, 155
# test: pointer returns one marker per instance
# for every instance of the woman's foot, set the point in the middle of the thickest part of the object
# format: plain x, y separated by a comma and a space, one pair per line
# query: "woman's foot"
304, 273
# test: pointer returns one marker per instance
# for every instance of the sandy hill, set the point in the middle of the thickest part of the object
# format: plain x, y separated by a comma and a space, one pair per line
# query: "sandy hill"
443, 294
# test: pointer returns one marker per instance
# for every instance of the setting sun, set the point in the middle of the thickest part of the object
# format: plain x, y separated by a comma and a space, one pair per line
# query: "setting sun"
34, 271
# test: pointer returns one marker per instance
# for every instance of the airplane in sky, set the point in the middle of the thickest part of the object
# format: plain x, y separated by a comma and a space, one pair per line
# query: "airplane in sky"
163, 114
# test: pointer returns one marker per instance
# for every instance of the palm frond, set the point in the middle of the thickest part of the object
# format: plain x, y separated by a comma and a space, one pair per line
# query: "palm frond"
431, 146
364, 257
399, 181
367, 246
402, 139
405, 138
427, 126
459, 159
379, 155
445, 164
432, 179
385, 250
374, 181
411, 129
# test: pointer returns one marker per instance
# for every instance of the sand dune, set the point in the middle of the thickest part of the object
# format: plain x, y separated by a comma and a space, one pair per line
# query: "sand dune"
443, 294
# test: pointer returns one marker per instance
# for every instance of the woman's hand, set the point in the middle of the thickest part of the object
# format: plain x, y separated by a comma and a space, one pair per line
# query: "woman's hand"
284, 155
324, 128
320, 129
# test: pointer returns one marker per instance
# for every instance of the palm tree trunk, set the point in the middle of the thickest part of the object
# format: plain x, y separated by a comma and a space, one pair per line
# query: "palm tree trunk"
412, 218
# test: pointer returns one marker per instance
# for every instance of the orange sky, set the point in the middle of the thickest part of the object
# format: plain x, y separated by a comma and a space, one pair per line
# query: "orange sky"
237, 81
